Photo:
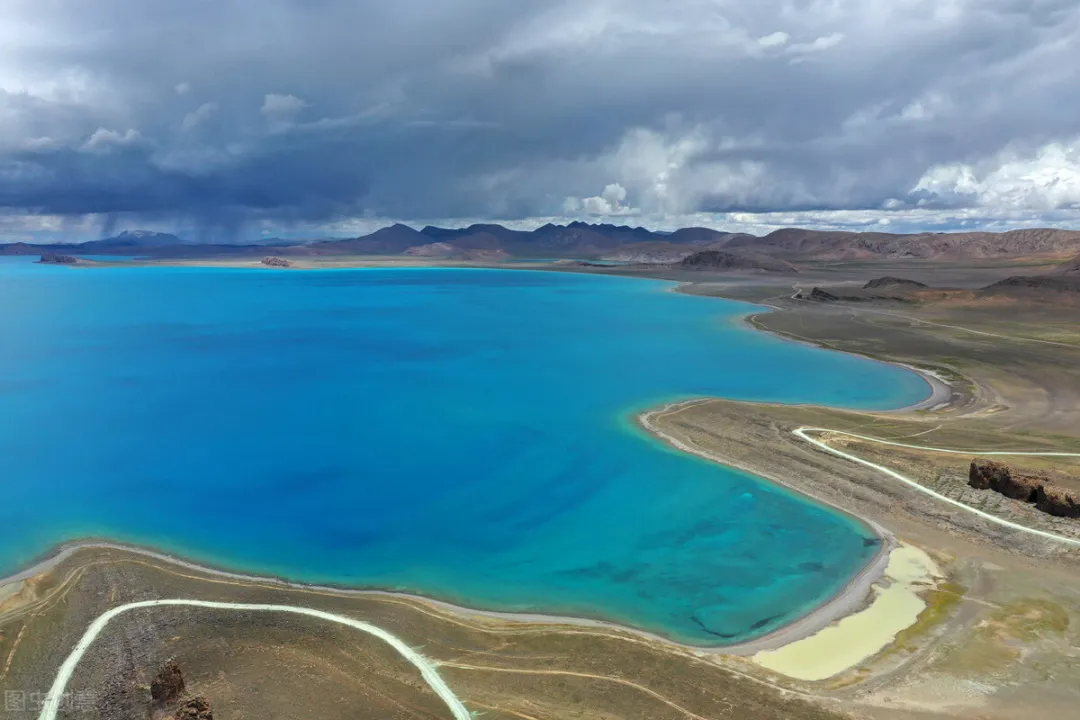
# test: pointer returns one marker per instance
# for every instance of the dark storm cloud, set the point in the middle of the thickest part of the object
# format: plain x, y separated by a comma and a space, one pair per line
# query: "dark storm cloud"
309, 111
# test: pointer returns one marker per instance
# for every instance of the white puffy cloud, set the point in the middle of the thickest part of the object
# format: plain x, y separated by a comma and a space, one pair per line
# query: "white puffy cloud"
674, 171
607, 204
1046, 179
103, 140
818, 45
772, 40
281, 106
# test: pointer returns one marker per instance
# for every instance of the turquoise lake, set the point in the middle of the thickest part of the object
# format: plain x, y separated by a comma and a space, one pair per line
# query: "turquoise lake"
465, 434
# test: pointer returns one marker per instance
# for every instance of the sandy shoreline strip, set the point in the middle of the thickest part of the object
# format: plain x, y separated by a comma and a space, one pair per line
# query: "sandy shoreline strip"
850, 599
941, 392
859, 636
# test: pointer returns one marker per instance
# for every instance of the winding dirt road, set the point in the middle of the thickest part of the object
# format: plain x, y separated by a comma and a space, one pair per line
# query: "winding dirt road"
801, 433
426, 667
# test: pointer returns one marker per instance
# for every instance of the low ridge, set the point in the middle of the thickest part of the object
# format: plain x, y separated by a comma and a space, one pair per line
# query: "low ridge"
892, 282
721, 260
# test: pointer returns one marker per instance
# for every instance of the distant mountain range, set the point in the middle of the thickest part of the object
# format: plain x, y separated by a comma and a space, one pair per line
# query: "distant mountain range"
608, 242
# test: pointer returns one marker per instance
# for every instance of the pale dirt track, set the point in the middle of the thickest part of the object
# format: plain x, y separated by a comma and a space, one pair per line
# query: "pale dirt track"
426, 667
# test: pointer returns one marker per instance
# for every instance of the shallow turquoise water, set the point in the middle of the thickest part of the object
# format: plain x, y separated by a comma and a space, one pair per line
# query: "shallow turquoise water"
462, 433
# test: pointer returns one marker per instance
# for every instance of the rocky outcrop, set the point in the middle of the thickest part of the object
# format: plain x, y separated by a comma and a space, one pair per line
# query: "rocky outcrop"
1031, 488
197, 708
167, 693
276, 262
819, 295
1058, 502
985, 476
893, 283
168, 685
55, 259
1000, 478
881, 290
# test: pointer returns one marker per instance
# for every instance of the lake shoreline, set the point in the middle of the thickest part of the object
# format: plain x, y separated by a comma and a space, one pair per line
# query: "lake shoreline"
849, 600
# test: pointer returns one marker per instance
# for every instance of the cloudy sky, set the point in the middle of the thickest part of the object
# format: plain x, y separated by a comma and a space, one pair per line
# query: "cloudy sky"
231, 119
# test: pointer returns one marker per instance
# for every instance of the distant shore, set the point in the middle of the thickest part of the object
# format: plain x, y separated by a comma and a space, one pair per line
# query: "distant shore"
941, 392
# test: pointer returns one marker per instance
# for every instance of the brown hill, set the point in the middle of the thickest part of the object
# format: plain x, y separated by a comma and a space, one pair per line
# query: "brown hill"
826, 245
392, 240
479, 241
656, 253
448, 251
1034, 286
433, 250
704, 236
719, 260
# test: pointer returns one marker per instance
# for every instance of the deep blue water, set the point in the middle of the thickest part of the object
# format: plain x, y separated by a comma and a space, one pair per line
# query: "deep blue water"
466, 434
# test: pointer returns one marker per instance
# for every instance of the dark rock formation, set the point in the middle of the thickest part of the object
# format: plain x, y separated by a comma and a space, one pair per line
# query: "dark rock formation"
880, 290
168, 685
1058, 502
197, 708
819, 295
892, 282
1001, 479
54, 259
276, 262
985, 476
1036, 489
